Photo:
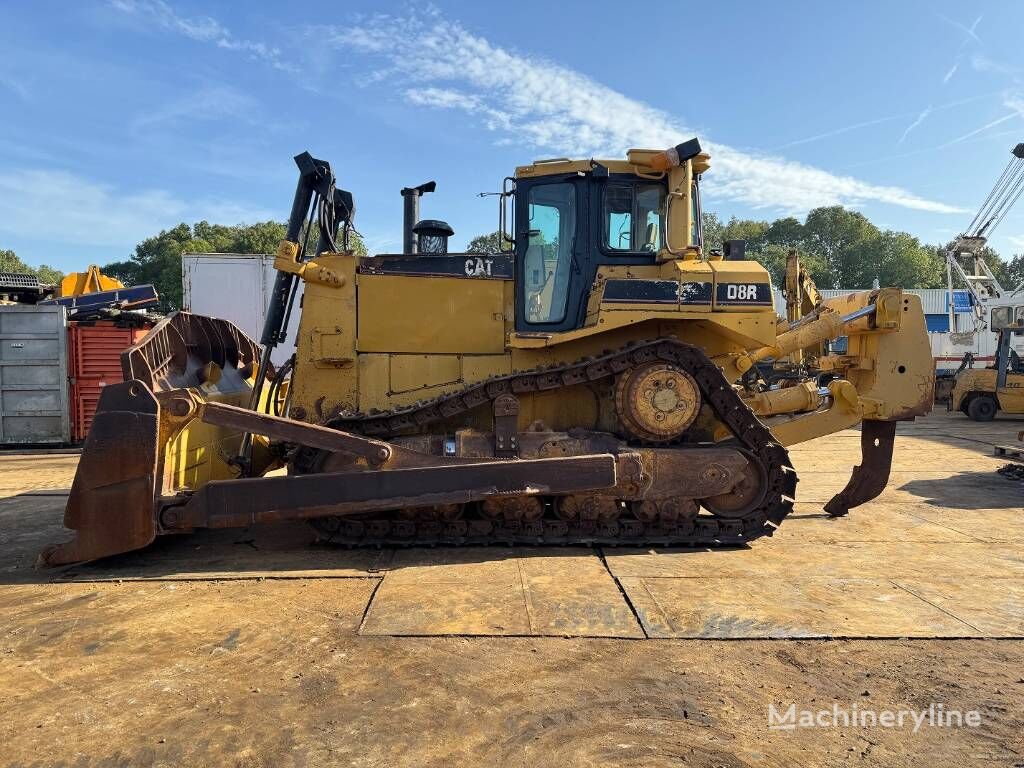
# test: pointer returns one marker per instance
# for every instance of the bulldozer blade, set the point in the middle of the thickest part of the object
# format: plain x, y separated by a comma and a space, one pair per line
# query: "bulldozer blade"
871, 475
111, 503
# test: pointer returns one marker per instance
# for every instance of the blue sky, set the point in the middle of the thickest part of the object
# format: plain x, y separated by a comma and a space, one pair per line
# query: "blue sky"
122, 117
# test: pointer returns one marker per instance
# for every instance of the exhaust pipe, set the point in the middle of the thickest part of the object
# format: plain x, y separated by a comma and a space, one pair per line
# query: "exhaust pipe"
411, 214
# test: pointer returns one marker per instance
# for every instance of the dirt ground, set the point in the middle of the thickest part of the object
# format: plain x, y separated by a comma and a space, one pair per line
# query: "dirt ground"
261, 648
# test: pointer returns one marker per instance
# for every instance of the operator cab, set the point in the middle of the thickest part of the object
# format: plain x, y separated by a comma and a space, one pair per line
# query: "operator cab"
572, 217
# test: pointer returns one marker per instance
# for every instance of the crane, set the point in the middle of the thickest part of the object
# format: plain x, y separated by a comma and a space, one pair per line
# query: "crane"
983, 285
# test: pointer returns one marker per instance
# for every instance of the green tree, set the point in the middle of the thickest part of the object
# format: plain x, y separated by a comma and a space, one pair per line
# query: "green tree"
787, 232
773, 257
1015, 271
157, 260
768, 244
49, 275
895, 258
712, 227
840, 238
489, 243
716, 233
9, 262
840, 248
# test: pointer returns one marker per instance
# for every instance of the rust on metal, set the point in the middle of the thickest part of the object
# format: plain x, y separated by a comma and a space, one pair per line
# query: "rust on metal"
244, 501
657, 402
871, 475
178, 351
506, 426
111, 502
290, 431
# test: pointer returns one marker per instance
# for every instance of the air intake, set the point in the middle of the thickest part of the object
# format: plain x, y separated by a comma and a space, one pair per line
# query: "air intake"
432, 236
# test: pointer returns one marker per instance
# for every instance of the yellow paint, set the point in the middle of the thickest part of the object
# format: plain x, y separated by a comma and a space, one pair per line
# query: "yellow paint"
845, 412
415, 372
975, 381
90, 281
430, 314
316, 271
326, 378
200, 452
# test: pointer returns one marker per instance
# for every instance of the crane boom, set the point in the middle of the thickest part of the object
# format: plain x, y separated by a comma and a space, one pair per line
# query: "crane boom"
983, 283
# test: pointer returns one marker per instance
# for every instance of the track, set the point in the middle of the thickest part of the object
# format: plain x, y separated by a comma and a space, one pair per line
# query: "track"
628, 527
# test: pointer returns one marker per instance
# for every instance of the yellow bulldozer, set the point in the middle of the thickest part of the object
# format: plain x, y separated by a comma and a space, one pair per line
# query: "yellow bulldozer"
594, 382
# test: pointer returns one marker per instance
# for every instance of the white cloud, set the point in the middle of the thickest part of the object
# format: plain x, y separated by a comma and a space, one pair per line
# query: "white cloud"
62, 207
982, 63
1014, 101
209, 103
553, 108
203, 29
443, 98
15, 86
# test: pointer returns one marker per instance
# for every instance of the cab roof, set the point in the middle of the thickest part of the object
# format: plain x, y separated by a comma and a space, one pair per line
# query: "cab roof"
637, 163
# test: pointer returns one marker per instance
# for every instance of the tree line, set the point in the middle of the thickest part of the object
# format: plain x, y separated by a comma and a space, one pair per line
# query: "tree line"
9, 262
840, 247
843, 249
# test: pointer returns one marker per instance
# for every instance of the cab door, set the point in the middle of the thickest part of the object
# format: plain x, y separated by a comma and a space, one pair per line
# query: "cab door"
551, 250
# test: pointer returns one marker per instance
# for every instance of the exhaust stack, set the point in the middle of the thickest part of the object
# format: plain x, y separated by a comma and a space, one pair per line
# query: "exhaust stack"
411, 215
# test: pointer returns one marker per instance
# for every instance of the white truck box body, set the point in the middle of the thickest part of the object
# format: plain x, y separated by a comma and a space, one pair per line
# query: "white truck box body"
236, 287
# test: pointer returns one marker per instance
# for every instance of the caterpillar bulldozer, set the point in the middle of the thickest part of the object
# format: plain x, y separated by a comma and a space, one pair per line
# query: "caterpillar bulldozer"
593, 382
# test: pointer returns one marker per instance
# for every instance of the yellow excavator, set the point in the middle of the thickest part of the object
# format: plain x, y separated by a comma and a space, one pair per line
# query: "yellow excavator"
594, 382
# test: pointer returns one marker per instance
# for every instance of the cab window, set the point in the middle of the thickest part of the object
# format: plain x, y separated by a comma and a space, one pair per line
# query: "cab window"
548, 258
632, 217
1001, 317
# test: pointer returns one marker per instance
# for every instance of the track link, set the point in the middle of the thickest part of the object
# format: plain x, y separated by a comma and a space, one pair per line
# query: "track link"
701, 530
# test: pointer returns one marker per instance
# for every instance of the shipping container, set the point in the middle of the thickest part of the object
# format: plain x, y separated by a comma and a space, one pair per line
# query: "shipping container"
94, 362
33, 375
236, 287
